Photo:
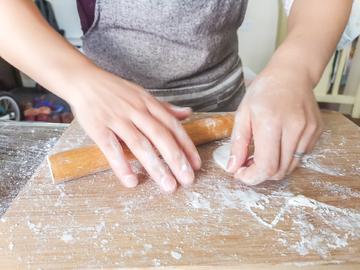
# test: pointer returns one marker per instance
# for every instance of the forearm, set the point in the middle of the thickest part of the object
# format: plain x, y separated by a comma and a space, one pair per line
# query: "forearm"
314, 30
29, 43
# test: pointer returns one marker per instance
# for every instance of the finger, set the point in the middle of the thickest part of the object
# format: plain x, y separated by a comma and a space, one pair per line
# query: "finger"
143, 150
176, 130
289, 142
317, 138
312, 145
266, 157
240, 141
170, 150
308, 138
180, 113
163, 139
110, 146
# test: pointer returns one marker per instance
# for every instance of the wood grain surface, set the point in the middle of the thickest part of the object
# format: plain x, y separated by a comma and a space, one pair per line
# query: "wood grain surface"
309, 219
23, 146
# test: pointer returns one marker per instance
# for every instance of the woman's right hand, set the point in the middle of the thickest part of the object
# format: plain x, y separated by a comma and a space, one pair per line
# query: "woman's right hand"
108, 107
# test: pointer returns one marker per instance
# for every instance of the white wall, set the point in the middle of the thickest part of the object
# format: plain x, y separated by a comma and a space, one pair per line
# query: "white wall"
257, 45
67, 17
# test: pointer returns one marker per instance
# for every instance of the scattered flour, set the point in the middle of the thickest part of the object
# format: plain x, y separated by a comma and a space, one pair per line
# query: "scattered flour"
197, 201
99, 228
339, 224
213, 207
22, 159
301, 200
128, 253
326, 157
33, 227
156, 262
176, 255
67, 237
335, 189
4, 219
312, 162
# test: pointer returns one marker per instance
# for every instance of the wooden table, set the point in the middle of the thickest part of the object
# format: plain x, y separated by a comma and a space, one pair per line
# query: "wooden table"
310, 219
23, 145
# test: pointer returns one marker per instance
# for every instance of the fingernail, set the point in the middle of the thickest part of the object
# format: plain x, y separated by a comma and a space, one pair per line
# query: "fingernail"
241, 169
187, 177
197, 161
180, 109
130, 181
231, 163
250, 157
168, 184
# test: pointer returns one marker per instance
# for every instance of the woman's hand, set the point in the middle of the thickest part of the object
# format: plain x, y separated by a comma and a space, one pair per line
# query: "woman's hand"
279, 109
109, 108
280, 113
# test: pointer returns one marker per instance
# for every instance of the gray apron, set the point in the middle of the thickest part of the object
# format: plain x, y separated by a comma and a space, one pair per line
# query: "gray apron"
182, 51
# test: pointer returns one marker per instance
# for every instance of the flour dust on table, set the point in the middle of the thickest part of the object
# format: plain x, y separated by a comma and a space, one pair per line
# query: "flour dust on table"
311, 217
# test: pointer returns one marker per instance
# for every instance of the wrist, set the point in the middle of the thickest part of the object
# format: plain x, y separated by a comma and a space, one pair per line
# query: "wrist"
71, 80
294, 64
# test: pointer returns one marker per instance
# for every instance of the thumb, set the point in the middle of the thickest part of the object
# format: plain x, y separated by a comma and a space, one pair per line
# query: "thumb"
240, 141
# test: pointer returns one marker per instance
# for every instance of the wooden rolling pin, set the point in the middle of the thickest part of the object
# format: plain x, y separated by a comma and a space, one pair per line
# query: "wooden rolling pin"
87, 160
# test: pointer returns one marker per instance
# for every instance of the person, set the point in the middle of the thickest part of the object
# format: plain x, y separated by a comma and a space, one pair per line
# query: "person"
184, 53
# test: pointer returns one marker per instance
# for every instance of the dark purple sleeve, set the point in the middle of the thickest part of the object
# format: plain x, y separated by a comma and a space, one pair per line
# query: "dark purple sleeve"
86, 9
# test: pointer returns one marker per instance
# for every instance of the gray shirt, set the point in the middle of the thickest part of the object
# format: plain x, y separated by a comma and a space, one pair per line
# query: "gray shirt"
183, 52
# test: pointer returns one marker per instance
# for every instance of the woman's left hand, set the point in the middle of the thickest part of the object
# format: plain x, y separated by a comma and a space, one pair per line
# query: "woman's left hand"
280, 113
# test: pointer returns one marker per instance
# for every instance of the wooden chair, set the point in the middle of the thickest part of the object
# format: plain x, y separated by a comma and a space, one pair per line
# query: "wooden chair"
351, 94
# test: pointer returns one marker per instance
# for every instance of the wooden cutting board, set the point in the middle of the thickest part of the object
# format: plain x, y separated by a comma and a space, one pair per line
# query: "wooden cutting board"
311, 218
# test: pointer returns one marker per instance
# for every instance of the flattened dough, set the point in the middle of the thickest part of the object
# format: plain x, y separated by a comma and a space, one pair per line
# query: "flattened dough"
221, 155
